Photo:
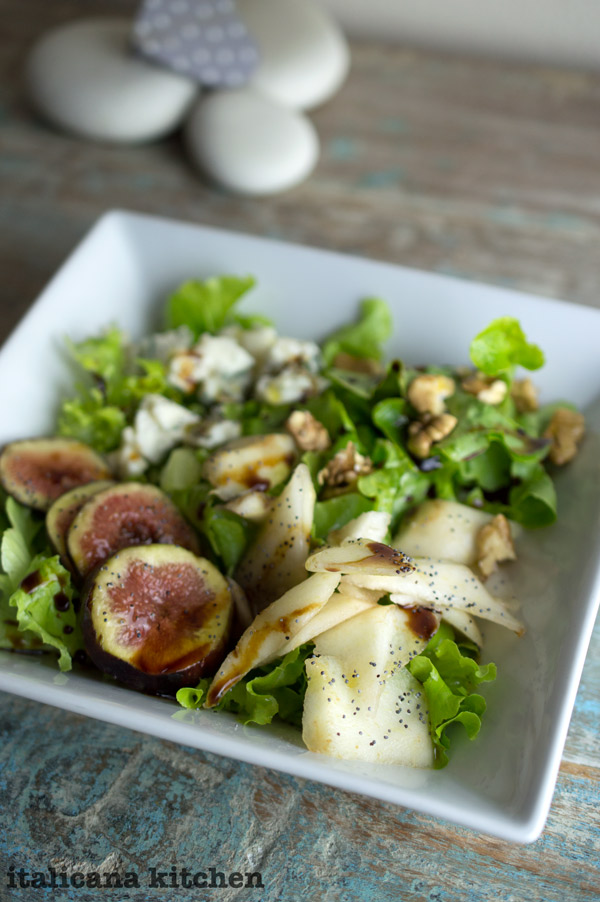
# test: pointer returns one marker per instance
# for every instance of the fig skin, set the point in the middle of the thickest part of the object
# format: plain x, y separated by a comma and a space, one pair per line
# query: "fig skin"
157, 618
122, 516
65, 509
38, 471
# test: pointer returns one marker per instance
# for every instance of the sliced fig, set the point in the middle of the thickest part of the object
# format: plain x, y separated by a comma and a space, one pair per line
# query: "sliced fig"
65, 509
38, 471
157, 617
122, 516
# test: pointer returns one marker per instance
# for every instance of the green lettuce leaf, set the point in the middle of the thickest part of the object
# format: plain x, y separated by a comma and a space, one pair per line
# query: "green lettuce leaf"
36, 623
17, 547
104, 355
390, 415
364, 338
100, 411
37, 613
91, 420
228, 534
205, 306
396, 484
502, 346
336, 512
449, 678
277, 689
533, 502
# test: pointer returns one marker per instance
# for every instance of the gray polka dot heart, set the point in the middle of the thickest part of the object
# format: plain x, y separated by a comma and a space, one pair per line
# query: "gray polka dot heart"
203, 39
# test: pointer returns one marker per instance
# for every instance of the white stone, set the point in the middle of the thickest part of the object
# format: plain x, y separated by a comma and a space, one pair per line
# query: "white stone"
250, 144
84, 78
304, 57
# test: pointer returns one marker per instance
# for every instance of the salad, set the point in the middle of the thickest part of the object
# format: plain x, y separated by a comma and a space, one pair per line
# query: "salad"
283, 529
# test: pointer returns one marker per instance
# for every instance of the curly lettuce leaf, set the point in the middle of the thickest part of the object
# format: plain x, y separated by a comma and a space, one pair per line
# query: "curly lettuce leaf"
36, 623
205, 306
100, 411
39, 603
364, 338
17, 547
104, 355
277, 689
91, 420
502, 346
449, 679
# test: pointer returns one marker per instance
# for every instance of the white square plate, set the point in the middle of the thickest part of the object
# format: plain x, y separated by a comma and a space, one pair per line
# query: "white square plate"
123, 270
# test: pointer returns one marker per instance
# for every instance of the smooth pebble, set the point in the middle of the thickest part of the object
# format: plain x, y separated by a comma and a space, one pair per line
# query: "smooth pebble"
250, 144
304, 56
84, 78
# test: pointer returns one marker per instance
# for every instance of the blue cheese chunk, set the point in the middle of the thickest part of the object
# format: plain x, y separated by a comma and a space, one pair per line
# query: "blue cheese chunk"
217, 367
159, 426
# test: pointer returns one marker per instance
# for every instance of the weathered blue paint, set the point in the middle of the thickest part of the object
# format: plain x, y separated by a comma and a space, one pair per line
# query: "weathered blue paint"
383, 178
343, 148
394, 125
77, 793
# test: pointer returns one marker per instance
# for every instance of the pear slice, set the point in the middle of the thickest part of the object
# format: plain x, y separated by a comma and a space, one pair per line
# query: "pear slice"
465, 624
445, 530
361, 703
249, 463
271, 630
338, 609
274, 561
441, 585
371, 525
361, 556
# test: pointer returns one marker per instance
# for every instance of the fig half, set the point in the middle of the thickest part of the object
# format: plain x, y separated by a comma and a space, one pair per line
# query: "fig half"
122, 516
38, 471
65, 509
157, 617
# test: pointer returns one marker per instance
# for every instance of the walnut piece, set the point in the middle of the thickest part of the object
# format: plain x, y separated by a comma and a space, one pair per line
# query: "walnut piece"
308, 433
427, 393
494, 544
566, 429
485, 388
345, 467
525, 395
423, 434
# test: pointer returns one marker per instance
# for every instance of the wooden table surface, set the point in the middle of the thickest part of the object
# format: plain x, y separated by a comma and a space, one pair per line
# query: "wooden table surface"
473, 168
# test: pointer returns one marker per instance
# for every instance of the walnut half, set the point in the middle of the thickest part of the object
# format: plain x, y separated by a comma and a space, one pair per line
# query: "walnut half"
345, 467
494, 544
423, 434
427, 393
308, 433
525, 395
485, 388
566, 429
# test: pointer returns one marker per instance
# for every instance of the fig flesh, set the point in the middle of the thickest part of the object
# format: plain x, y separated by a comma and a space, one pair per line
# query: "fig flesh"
65, 509
125, 515
157, 617
38, 471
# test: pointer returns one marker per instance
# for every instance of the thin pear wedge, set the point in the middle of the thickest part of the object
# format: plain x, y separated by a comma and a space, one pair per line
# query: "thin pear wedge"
360, 556
445, 530
441, 585
371, 525
274, 561
268, 633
